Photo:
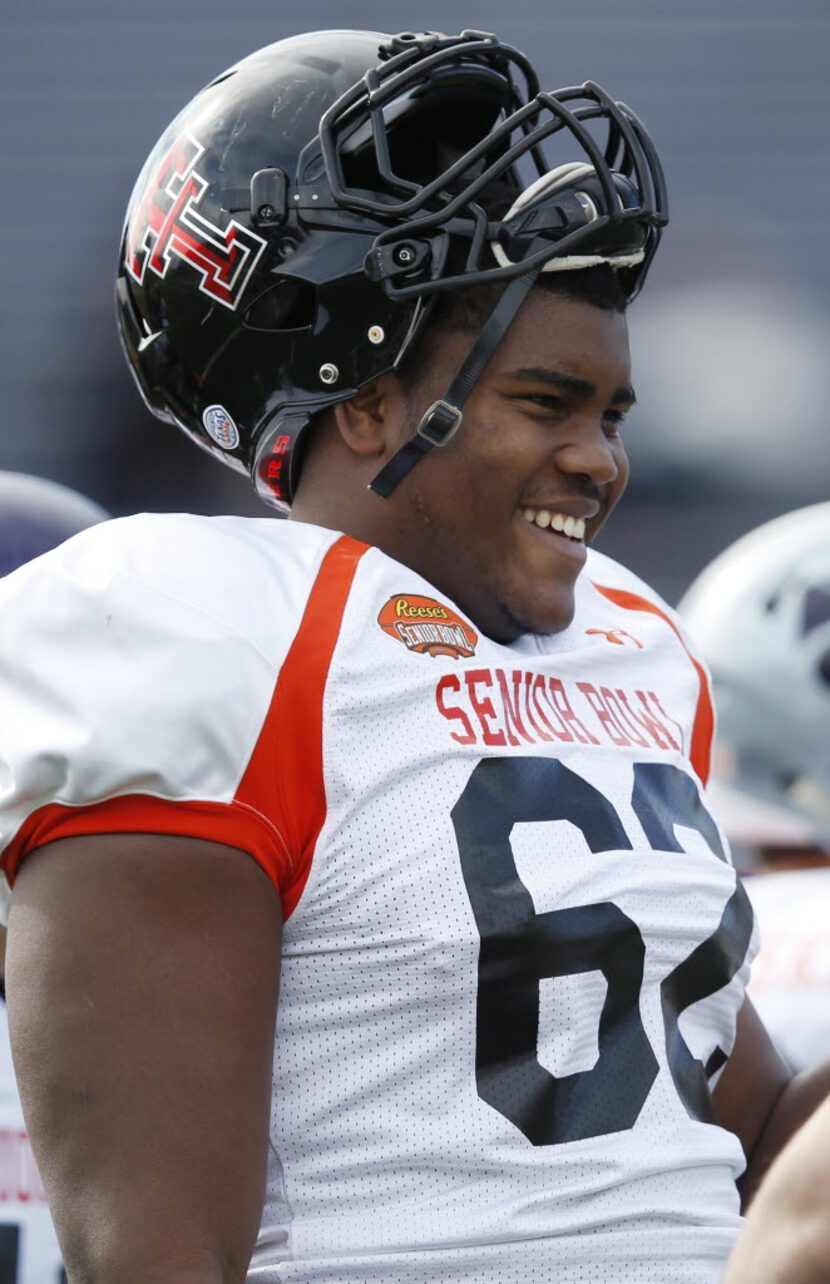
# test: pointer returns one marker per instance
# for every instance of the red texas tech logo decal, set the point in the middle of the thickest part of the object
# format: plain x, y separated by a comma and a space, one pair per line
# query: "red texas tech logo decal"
166, 222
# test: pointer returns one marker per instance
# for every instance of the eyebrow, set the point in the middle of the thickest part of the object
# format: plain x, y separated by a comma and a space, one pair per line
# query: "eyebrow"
581, 388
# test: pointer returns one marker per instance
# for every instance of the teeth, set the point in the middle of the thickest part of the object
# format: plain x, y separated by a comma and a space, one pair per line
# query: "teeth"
572, 527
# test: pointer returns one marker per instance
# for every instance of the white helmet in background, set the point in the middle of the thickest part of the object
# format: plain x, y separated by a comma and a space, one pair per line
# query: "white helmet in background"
760, 613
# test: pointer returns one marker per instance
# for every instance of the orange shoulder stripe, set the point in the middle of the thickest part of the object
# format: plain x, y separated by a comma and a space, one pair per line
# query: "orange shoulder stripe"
288, 757
704, 723
279, 807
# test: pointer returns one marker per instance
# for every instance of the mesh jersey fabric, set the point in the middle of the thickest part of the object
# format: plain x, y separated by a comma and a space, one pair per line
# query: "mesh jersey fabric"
514, 948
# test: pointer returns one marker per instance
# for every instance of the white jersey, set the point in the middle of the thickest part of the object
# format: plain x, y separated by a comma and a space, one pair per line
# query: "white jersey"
791, 977
29, 1251
514, 947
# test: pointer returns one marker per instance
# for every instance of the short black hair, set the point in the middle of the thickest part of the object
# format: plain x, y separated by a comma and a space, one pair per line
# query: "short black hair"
468, 308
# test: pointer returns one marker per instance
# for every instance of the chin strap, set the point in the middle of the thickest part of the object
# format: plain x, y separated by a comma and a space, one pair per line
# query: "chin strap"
443, 419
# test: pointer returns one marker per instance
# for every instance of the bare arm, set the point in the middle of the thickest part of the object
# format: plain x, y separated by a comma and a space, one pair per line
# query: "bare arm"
786, 1239
757, 1097
142, 974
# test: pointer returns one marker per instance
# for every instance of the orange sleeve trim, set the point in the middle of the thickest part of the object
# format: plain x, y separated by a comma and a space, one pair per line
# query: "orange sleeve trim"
704, 722
229, 823
284, 777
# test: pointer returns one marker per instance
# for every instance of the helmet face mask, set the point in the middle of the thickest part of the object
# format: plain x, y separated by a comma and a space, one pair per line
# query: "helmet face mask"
525, 121
289, 231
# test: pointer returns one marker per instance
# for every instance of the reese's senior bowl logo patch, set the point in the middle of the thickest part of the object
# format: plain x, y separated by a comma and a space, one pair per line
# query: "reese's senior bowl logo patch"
427, 626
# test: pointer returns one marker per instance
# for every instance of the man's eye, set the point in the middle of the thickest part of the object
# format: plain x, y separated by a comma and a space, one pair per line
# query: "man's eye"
546, 401
614, 419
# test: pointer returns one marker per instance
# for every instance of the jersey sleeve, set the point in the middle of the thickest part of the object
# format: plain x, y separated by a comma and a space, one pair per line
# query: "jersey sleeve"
140, 680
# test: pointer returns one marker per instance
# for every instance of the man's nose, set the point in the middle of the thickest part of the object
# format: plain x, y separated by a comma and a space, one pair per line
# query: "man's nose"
588, 451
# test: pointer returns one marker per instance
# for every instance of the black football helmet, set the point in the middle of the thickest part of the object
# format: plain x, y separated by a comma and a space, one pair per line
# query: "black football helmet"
292, 227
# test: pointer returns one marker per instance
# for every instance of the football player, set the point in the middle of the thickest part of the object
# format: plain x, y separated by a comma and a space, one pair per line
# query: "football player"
419, 757
761, 615
35, 515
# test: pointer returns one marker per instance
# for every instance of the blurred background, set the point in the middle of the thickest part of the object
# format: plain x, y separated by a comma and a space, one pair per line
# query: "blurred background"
729, 339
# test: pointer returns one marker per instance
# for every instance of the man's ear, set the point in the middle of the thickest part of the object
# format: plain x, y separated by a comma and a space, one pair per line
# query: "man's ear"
374, 420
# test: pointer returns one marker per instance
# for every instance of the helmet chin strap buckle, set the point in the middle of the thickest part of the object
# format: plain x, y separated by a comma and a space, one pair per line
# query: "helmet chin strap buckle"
440, 423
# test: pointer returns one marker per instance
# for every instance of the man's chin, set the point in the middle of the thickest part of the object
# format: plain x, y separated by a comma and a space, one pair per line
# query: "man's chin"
516, 618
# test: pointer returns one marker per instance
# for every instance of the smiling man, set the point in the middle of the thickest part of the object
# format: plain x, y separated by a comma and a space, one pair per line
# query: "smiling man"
499, 519
418, 760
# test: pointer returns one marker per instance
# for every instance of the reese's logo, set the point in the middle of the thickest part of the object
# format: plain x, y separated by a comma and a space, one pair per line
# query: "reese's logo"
427, 626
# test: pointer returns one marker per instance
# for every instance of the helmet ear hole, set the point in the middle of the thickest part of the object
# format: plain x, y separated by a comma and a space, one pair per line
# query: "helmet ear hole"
287, 305
816, 608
